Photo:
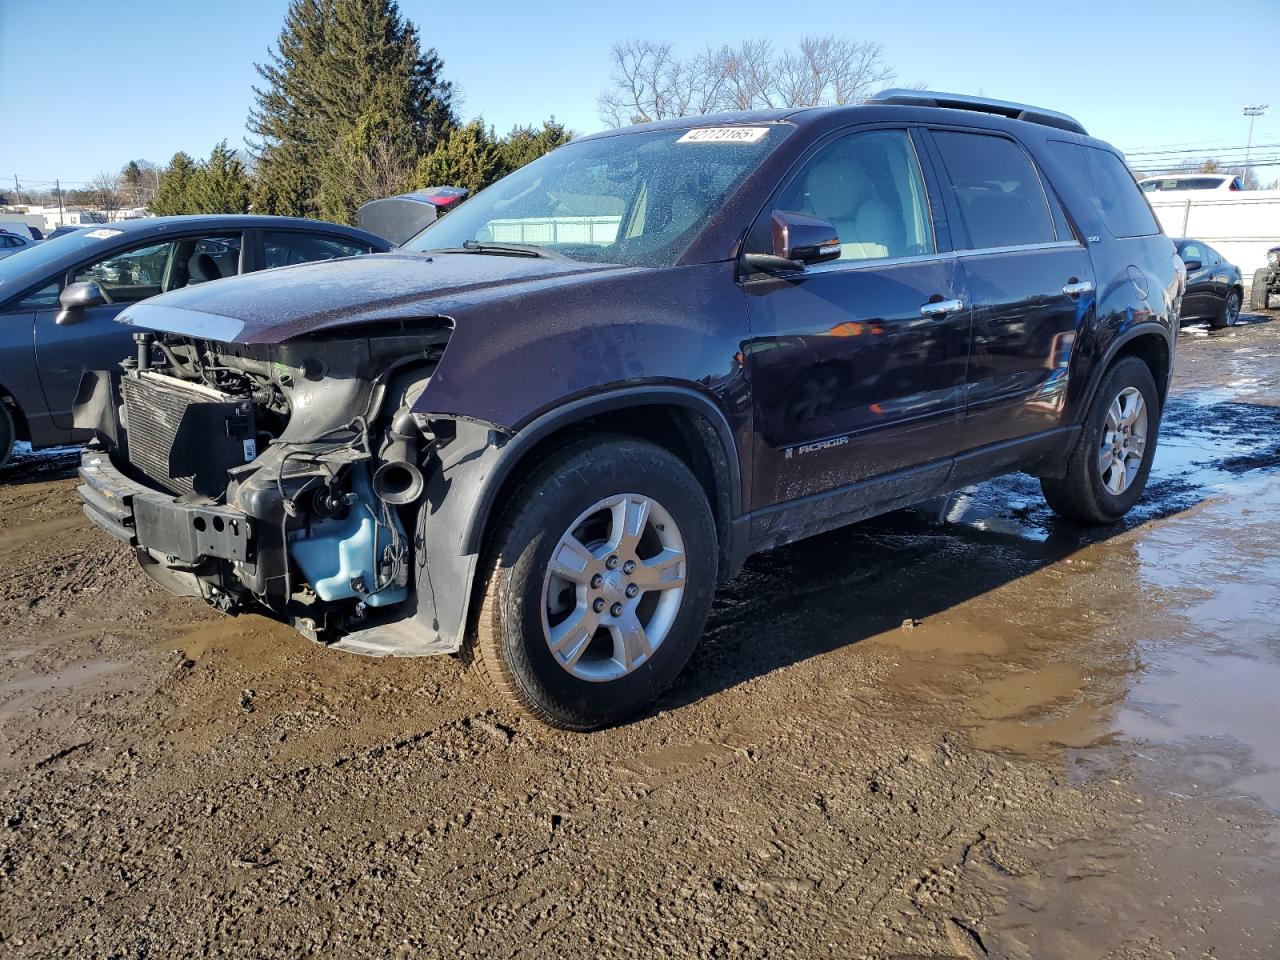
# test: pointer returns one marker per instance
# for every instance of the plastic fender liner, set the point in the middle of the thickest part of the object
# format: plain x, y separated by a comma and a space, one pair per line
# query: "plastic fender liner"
445, 569
460, 498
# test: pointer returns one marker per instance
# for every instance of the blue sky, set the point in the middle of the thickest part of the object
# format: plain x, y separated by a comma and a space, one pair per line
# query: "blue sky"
86, 86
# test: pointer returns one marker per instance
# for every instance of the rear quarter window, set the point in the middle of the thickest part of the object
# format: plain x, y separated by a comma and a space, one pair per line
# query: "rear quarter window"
1109, 187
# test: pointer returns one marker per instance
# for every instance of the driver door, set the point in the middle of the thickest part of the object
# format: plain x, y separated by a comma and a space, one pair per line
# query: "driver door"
95, 341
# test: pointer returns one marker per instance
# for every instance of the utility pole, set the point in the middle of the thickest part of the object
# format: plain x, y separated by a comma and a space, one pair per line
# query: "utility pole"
17, 190
58, 186
1252, 112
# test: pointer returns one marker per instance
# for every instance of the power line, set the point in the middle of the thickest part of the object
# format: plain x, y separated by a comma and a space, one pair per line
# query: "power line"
1200, 151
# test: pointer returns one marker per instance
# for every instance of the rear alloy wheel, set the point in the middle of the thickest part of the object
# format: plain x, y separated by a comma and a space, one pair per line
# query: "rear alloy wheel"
1109, 465
600, 581
1230, 312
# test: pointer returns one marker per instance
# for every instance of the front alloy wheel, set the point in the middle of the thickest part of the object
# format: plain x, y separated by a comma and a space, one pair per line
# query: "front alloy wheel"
614, 587
597, 588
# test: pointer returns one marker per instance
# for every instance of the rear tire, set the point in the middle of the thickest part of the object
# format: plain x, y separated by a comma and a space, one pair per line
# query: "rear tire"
1230, 311
1103, 482
559, 635
1258, 296
7, 434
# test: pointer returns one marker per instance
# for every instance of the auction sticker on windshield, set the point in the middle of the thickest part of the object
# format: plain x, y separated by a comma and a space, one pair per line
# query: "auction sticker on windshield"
725, 135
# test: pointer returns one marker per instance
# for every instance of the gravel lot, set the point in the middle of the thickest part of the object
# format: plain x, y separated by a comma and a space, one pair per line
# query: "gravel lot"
959, 731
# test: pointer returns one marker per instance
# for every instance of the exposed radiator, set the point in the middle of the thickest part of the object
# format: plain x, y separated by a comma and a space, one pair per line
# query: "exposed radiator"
185, 437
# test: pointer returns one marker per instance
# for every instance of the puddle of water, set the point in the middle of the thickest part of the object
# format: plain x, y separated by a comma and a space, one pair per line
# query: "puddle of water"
1159, 637
1219, 714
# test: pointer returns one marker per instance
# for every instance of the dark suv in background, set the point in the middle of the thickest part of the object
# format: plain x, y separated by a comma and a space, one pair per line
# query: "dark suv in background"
541, 433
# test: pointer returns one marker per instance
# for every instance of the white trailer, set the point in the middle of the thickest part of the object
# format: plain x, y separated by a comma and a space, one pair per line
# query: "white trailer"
1241, 225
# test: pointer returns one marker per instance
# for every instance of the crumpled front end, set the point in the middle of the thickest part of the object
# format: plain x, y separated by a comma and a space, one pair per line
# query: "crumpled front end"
285, 478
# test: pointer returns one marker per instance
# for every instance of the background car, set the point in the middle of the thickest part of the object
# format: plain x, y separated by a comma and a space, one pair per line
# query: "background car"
59, 300
68, 228
1200, 181
1214, 287
11, 243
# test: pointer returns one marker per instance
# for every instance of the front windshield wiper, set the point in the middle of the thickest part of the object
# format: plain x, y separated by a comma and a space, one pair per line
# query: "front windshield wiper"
501, 250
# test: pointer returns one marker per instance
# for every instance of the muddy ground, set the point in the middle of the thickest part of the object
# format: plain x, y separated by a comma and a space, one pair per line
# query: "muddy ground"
1070, 749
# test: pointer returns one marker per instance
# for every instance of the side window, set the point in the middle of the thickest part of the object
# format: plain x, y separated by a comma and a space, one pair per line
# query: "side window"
130, 276
281, 248
998, 194
201, 259
45, 297
1109, 187
868, 185
1191, 251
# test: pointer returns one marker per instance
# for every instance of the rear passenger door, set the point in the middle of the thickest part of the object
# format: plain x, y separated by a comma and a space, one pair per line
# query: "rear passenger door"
1030, 281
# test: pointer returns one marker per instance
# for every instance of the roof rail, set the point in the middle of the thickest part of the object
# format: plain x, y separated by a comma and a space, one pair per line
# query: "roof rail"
961, 101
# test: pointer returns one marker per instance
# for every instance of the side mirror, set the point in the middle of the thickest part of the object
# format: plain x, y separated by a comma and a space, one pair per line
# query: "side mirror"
798, 241
77, 298
1193, 265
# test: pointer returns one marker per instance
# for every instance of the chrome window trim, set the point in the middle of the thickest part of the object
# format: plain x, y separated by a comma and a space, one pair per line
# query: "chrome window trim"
1019, 248
846, 266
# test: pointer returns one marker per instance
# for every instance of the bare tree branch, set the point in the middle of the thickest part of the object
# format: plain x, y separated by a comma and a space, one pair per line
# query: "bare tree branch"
650, 82
107, 192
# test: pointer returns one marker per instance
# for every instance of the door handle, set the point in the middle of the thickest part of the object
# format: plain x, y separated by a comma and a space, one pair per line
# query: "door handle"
1076, 287
936, 309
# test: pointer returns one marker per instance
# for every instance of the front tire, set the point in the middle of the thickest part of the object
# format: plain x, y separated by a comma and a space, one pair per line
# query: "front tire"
1109, 465
1230, 311
7, 434
600, 574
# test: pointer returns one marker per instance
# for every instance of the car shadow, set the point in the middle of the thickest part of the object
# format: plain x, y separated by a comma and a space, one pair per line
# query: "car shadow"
840, 588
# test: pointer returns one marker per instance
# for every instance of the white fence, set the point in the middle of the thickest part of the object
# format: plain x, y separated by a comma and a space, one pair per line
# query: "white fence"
1241, 226
593, 230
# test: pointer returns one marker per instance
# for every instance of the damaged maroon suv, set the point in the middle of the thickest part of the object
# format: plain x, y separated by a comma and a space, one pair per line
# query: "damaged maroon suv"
543, 431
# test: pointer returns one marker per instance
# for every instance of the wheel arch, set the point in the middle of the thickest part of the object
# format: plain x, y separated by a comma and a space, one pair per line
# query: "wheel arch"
680, 419
1149, 342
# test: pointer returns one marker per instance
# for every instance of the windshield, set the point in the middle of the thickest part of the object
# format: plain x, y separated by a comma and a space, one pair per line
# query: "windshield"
634, 199
38, 255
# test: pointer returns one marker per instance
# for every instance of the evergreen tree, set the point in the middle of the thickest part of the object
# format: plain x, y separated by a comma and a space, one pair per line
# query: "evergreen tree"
340, 64
220, 184
524, 144
131, 182
468, 157
172, 196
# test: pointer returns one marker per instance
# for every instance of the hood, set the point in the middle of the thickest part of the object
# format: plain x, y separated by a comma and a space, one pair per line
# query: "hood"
272, 306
